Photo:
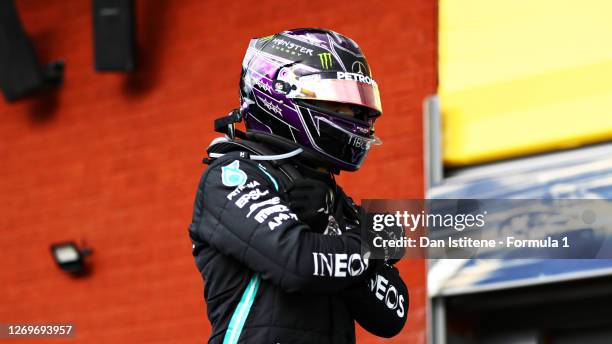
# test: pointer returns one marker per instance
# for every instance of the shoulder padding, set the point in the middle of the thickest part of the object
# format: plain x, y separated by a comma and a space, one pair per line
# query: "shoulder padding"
281, 169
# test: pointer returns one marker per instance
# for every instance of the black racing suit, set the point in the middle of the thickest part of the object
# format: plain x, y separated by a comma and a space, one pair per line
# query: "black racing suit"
269, 278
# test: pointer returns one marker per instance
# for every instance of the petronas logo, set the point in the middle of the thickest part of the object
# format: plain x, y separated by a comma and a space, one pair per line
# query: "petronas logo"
326, 60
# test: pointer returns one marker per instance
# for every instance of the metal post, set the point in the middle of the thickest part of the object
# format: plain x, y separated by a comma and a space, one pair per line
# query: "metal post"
433, 142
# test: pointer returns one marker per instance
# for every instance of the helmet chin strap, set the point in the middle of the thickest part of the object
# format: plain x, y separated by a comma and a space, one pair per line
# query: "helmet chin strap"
225, 125
278, 156
265, 157
307, 155
227, 138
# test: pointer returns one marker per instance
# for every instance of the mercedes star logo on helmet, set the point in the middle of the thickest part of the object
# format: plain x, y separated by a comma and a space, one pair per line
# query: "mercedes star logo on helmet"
358, 67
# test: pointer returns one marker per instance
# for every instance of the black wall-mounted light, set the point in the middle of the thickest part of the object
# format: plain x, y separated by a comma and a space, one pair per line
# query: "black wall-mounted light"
113, 27
70, 257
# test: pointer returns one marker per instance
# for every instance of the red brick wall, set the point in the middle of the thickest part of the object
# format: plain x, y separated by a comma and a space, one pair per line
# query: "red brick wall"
115, 159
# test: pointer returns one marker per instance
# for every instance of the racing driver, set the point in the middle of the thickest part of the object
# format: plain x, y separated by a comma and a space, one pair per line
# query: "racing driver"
278, 243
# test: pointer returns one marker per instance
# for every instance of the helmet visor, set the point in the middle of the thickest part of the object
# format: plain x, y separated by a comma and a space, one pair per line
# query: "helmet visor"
355, 89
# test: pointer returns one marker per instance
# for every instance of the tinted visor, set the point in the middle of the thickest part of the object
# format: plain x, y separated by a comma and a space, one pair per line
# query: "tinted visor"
341, 144
356, 89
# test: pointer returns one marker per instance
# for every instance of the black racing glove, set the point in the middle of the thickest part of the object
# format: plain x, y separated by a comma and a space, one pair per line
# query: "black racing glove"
394, 254
391, 255
311, 200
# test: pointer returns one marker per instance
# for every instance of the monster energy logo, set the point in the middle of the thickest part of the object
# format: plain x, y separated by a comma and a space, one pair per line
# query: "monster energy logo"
326, 60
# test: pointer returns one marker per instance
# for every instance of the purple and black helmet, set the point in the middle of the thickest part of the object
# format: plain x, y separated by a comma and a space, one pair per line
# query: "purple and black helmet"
287, 76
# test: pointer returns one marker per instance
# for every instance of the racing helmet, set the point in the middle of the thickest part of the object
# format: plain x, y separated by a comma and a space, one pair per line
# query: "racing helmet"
288, 82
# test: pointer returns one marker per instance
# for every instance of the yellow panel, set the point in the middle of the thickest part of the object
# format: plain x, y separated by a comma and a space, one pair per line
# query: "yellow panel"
520, 77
